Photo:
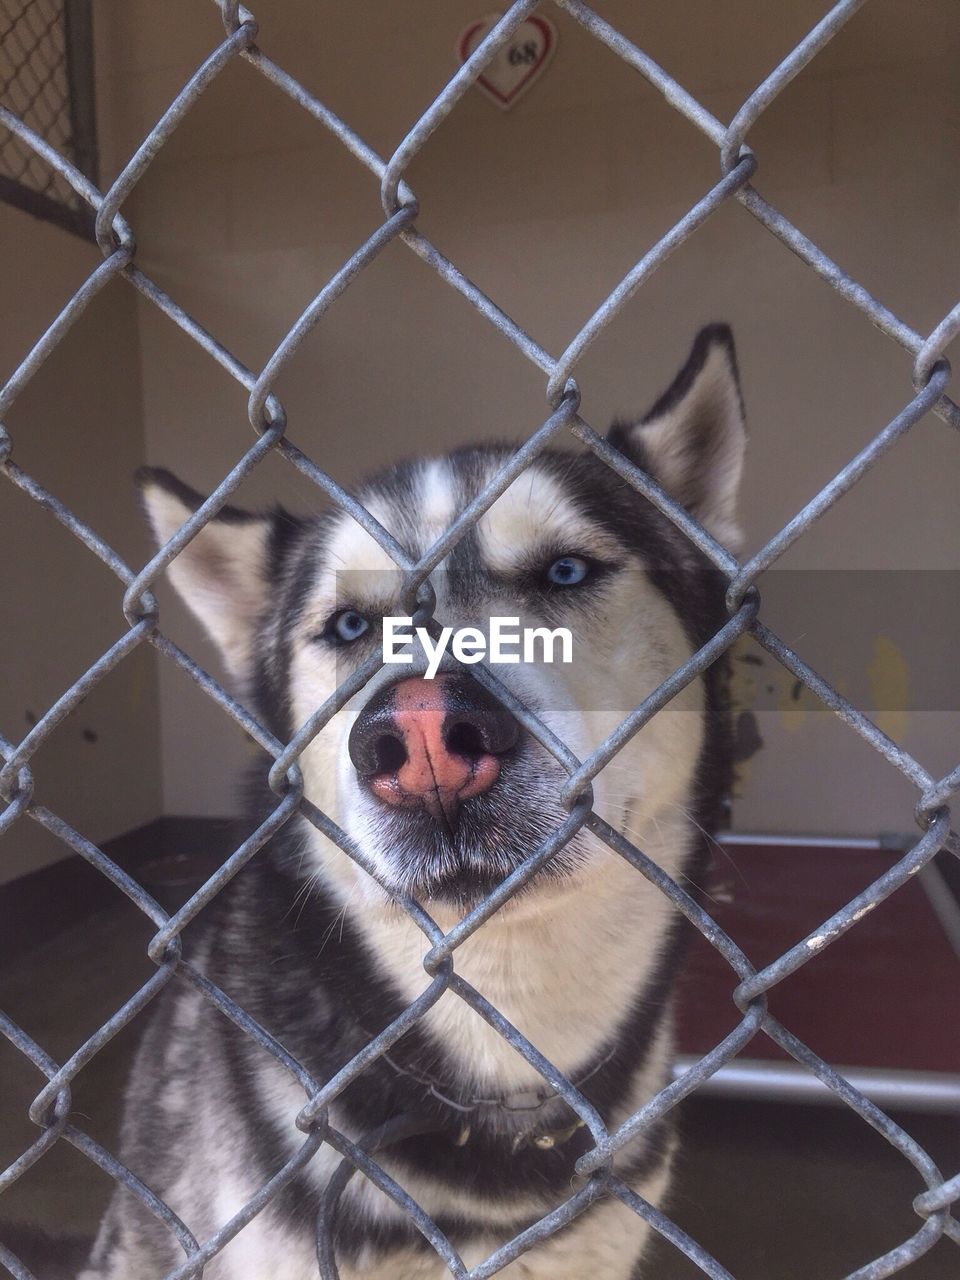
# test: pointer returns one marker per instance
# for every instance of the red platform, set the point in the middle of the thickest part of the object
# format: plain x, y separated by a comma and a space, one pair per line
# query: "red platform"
885, 995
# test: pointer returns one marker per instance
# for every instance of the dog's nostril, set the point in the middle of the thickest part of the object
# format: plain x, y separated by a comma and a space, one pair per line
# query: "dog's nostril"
465, 739
482, 730
390, 752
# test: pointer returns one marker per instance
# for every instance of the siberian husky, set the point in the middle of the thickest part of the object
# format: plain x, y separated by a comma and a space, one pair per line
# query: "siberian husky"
447, 794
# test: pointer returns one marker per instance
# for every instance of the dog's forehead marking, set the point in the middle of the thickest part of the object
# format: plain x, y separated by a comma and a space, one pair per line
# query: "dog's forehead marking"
437, 505
535, 510
416, 516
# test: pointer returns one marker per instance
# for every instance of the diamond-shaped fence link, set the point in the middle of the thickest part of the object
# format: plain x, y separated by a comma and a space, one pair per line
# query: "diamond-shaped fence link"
930, 374
46, 78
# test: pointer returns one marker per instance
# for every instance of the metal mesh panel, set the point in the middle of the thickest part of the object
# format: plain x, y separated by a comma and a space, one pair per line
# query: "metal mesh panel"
45, 79
930, 374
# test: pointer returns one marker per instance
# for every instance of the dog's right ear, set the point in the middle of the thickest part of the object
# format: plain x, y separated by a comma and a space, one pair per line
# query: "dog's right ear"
221, 572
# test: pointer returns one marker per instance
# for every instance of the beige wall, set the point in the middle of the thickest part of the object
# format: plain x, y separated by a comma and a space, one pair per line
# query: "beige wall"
77, 430
252, 206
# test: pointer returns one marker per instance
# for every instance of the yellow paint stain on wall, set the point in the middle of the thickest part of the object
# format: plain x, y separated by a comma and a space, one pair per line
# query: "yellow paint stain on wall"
888, 676
794, 701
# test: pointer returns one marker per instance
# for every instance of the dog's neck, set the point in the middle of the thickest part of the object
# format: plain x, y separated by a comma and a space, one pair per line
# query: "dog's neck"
562, 967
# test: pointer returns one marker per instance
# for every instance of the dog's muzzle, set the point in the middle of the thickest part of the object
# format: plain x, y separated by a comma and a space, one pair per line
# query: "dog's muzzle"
432, 744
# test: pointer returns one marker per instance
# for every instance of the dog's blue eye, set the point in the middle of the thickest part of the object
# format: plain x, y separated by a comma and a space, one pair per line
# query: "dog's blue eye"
568, 571
348, 625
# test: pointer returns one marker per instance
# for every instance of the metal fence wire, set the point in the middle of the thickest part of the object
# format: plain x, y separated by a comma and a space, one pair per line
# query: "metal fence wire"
51, 1110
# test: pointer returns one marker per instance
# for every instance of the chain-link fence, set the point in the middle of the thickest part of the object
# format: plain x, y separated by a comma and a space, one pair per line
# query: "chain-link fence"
52, 1108
46, 78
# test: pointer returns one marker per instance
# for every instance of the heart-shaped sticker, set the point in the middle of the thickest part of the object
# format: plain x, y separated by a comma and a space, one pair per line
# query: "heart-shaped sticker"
521, 61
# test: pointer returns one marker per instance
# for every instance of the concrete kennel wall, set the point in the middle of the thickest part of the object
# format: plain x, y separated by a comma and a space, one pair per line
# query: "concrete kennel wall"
77, 430
252, 206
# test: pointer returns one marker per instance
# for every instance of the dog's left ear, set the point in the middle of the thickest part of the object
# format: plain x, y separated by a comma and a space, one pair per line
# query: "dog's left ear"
693, 439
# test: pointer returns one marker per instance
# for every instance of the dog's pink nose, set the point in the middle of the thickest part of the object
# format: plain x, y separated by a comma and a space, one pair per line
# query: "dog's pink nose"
431, 744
